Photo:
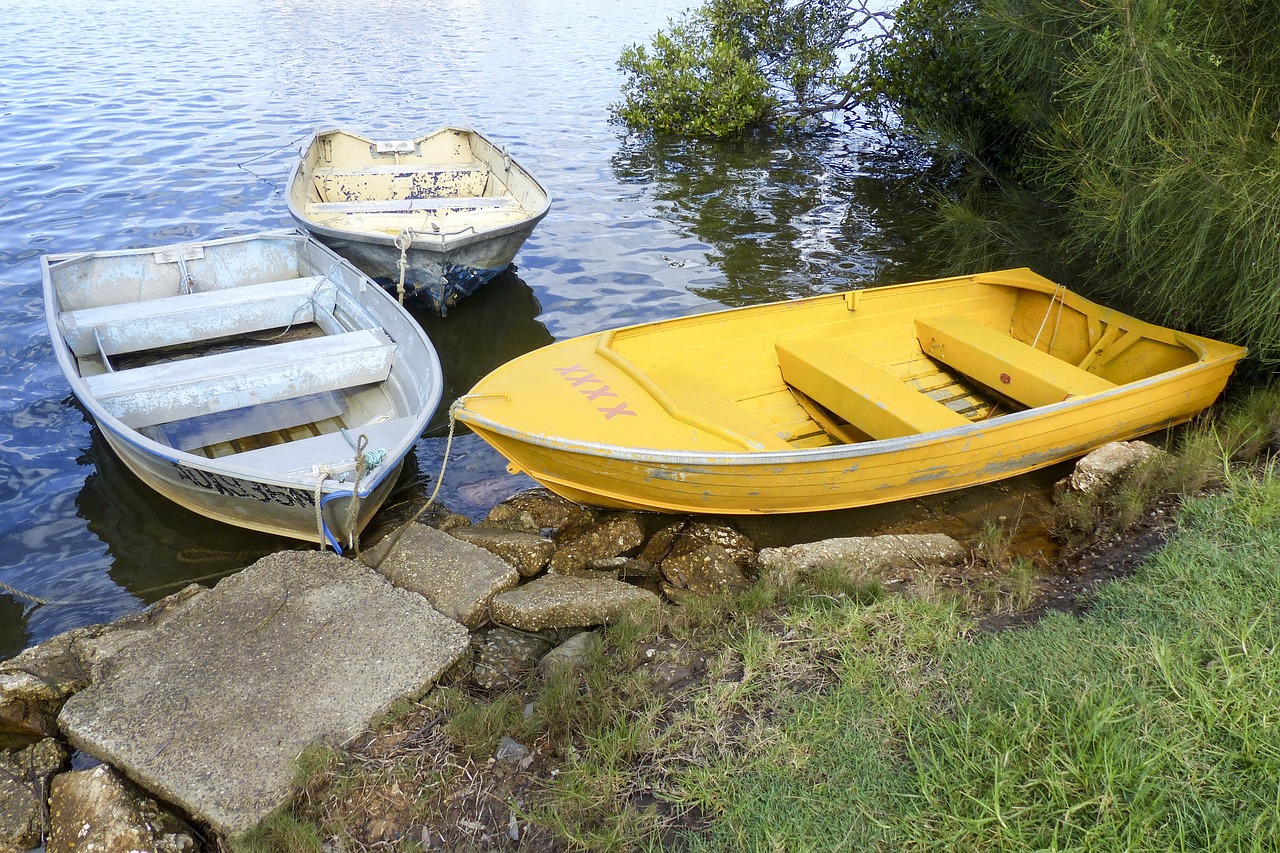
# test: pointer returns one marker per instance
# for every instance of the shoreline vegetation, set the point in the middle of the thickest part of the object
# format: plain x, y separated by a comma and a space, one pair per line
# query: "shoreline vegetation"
828, 714
1128, 145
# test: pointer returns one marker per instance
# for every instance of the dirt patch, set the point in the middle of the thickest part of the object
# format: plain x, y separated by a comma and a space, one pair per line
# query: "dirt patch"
1069, 586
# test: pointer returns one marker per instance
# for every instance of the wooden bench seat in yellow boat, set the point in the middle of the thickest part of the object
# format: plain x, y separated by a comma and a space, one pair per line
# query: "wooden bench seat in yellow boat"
877, 403
1017, 370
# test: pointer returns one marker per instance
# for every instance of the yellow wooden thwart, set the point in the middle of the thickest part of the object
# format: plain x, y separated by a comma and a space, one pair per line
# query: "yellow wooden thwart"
875, 402
1017, 370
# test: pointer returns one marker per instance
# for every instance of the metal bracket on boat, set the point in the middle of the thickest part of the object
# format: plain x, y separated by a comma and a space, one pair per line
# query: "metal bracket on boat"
395, 146
178, 254
853, 300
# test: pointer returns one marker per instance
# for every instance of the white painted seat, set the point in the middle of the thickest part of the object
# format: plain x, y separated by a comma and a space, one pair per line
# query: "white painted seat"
159, 393
201, 316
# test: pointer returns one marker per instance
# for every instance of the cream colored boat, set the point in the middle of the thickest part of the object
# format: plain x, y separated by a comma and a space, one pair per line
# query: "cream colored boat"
844, 400
262, 381
451, 206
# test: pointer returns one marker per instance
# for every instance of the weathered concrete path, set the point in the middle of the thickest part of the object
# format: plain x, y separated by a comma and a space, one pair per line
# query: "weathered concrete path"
211, 709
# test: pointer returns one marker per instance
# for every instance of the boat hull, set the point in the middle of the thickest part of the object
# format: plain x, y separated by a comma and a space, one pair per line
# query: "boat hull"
437, 277
602, 420
281, 508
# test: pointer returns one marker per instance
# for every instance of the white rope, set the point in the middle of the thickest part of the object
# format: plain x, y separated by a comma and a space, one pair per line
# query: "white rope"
444, 461
1060, 289
403, 241
323, 472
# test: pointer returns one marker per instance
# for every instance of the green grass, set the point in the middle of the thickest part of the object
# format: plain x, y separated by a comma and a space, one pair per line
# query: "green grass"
1152, 723
826, 715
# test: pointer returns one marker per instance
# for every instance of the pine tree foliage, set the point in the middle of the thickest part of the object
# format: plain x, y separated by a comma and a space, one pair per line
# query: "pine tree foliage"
1152, 130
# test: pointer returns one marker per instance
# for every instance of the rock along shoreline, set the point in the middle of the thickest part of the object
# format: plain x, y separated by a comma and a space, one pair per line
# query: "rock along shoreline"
187, 719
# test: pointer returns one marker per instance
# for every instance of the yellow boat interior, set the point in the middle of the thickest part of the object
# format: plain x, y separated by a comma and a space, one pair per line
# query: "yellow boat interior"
883, 363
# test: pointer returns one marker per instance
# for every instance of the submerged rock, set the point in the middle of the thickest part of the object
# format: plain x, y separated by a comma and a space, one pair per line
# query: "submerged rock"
863, 558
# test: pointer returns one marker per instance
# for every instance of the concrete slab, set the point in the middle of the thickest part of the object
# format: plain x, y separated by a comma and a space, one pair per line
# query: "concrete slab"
210, 710
458, 578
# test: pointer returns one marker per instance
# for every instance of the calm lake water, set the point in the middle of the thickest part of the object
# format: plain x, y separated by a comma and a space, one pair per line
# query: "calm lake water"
127, 124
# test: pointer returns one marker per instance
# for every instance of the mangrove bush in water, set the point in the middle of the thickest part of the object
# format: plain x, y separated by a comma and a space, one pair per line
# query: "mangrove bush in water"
1141, 136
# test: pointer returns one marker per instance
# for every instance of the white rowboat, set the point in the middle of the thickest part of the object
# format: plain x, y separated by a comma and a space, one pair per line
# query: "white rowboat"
262, 381
444, 213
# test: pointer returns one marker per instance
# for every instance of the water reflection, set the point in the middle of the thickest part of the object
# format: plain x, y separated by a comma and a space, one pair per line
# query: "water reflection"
786, 217
156, 547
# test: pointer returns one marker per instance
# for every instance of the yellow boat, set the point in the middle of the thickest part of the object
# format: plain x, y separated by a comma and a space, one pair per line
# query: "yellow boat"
843, 400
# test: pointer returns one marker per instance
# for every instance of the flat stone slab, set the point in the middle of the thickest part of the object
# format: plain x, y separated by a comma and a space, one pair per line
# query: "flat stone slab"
528, 552
210, 710
458, 578
887, 558
557, 601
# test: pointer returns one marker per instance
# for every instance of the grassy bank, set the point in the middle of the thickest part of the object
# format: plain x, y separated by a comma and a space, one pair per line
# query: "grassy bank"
831, 717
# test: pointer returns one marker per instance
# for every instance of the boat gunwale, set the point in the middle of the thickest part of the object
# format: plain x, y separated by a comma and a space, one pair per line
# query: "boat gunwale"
108, 422
831, 452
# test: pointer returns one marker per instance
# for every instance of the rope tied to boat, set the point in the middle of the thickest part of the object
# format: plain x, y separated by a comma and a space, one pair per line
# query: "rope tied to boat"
403, 241
371, 458
323, 472
17, 593
1059, 296
362, 467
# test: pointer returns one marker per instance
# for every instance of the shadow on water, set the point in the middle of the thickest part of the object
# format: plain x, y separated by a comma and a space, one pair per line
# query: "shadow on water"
487, 329
156, 546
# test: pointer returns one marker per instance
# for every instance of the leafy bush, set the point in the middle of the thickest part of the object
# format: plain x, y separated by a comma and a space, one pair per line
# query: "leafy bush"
731, 65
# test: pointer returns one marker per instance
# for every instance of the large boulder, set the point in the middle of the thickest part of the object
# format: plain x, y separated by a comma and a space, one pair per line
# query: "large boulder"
210, 710
98, 810
527, 552
24, 781
35, 683
458, 578
537, 510
1101, 470
612, 536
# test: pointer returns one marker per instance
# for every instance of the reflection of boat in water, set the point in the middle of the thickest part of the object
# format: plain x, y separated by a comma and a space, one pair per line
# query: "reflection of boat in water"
156, 546
451, 206
262, 381
498, 323
844, 400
